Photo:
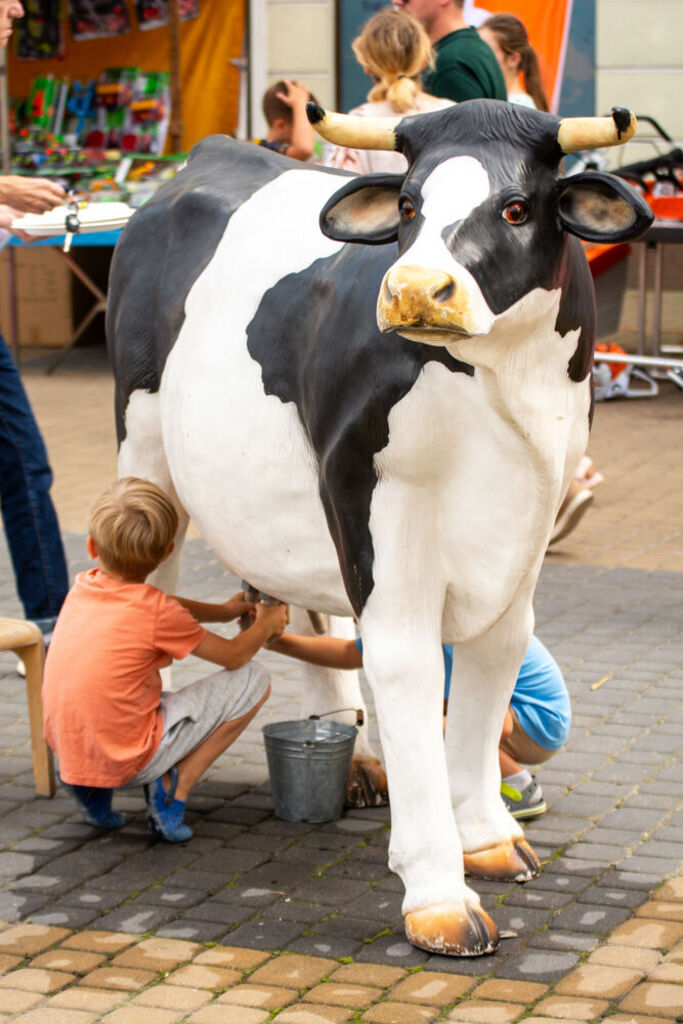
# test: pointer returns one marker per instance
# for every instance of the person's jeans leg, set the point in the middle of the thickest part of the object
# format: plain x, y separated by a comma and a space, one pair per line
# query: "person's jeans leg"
29, 517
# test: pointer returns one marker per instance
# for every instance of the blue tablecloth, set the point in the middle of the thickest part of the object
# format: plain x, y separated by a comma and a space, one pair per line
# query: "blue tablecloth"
90, 238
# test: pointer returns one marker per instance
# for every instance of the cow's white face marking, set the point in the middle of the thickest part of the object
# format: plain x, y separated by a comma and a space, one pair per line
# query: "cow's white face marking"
450, 193
453, 190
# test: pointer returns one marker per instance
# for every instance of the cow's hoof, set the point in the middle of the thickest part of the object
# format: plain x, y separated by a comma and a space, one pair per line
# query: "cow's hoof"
452, 930
367, 784
512, 861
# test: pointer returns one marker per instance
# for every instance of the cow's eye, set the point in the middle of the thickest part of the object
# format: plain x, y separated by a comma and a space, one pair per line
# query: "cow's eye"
515, 212
407, 208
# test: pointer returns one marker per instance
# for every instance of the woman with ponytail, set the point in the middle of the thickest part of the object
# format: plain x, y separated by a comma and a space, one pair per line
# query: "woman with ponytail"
507, 37
393, 50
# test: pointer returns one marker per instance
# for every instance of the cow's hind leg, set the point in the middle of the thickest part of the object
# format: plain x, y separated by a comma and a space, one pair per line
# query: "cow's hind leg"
484, 674
142, 454
327, 690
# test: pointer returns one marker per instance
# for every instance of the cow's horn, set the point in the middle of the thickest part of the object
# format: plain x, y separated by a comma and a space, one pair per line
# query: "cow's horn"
355, 132
577, 133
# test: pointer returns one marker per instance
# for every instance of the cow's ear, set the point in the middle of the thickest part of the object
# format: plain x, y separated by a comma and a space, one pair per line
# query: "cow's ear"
364, 210
601, 208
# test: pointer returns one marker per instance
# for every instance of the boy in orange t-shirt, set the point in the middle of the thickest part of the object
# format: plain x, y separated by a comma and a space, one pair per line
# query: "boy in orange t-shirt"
106, 717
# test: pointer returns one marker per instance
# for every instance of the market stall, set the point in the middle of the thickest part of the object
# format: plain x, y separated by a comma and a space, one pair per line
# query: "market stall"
208, 43
107, 96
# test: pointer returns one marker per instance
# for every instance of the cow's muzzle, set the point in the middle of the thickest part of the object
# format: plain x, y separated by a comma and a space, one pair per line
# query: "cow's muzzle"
429, 300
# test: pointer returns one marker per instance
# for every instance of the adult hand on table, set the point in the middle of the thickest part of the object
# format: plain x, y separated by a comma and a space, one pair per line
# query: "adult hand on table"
30, 195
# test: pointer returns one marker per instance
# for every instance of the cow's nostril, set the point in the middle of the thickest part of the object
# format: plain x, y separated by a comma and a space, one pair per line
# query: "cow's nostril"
445, 292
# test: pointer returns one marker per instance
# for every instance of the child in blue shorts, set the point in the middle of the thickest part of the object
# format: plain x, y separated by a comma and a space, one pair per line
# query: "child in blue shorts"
536, 723
536, 726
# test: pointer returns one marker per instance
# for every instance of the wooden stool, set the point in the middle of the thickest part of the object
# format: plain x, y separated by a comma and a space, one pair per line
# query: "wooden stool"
26, 640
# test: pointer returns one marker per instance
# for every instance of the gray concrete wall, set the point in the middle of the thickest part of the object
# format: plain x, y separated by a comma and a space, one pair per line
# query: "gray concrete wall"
639, 45
298, 40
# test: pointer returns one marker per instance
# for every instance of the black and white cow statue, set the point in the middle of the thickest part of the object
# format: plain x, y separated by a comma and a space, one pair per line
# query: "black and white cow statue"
383, 430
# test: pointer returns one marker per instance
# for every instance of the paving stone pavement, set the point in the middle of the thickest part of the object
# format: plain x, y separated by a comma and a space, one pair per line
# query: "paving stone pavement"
613, 832
258, 919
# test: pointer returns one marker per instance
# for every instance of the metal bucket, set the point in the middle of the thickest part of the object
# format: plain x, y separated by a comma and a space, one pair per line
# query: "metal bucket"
308, 763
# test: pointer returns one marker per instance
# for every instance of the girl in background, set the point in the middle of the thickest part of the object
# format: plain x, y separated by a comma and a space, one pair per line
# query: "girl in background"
393, 50
507, 37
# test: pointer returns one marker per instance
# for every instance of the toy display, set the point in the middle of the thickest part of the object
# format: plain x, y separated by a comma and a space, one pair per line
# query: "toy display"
154, 13
124, 109
80, 108
44, 108
149, 112
91, 19
113, 95
39, 33
102, 138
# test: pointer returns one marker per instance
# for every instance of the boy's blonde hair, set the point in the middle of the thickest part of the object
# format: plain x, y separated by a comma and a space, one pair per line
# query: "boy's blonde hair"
394, 48
133, 524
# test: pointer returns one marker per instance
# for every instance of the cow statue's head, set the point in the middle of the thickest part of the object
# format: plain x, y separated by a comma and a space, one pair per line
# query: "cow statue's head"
480, 215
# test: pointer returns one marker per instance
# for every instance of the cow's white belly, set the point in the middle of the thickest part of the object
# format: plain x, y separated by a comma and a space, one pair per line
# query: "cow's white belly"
231, 448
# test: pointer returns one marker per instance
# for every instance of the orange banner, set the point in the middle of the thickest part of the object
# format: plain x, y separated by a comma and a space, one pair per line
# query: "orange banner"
209, 80
547, 24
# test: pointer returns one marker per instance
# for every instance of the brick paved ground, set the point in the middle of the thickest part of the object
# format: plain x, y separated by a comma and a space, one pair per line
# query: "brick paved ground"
122, 929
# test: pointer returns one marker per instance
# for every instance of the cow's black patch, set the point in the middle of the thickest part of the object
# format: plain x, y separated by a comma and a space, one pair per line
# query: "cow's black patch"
166, 246
509, 260
344, 378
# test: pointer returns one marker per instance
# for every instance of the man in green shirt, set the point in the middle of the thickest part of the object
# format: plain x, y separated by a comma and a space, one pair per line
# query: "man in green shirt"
466, 67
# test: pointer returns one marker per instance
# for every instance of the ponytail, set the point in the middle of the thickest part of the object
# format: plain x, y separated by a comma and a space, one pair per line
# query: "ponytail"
393, 48
531, 74
513, 40
401, 92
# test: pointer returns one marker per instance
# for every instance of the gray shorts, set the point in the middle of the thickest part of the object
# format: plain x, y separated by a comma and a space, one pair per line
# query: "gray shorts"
192, 714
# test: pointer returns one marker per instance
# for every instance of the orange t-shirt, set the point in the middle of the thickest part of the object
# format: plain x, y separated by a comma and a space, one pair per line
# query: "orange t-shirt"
102, 689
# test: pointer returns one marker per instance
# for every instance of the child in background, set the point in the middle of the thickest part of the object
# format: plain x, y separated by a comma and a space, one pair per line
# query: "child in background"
289, 130
536, 723
106, 717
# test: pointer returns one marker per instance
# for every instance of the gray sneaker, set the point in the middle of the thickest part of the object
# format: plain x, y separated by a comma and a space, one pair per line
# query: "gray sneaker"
524, 803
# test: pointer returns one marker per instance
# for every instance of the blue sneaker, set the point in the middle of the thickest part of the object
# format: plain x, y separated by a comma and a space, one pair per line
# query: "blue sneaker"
165, 813
94, 803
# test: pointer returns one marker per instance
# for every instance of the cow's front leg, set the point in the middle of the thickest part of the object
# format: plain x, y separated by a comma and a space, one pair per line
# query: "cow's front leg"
327, 690
405, 669
484, 675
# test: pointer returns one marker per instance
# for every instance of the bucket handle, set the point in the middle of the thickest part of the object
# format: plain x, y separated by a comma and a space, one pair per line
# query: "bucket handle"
360, 715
